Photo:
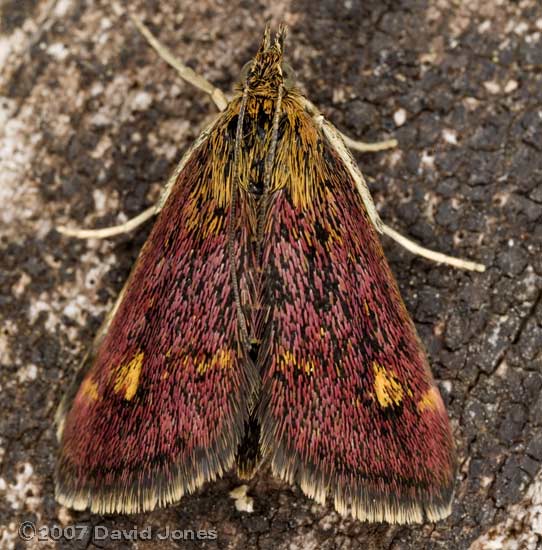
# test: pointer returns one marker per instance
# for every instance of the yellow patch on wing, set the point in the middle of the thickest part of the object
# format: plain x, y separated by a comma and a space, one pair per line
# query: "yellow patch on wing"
288, 360
127, 378
222, 359
89, 389
387, 389
430, 401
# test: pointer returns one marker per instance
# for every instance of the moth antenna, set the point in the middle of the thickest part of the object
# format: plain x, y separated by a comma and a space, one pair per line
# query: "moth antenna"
280, 37
266, 40
232, 218
269, 161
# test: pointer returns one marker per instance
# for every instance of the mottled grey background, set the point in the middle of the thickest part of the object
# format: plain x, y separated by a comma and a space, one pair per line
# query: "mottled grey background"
92, 122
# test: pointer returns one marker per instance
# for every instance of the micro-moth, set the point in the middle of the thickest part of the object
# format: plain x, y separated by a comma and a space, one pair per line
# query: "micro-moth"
261, 324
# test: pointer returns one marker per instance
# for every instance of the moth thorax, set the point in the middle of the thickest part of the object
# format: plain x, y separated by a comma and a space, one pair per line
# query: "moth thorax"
261, 113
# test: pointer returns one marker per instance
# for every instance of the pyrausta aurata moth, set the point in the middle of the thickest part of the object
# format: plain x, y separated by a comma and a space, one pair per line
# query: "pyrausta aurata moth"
261, 324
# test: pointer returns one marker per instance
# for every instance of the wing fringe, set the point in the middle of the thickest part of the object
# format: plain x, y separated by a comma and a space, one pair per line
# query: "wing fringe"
363, 499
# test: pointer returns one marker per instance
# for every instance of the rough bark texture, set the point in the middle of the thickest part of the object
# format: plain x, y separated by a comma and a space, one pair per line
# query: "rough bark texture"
92, 122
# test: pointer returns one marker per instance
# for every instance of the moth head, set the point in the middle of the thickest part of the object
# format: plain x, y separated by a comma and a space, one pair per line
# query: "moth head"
267, 70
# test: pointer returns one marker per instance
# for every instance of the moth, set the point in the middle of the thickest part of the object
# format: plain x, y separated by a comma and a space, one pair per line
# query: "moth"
260, 325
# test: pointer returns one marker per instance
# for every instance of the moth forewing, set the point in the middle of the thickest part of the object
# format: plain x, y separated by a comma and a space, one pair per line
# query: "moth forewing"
349, 407
160, 405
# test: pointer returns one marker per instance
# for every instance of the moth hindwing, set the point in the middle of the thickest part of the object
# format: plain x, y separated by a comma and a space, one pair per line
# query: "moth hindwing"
261, 324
